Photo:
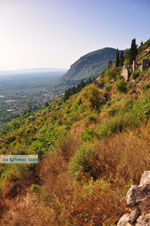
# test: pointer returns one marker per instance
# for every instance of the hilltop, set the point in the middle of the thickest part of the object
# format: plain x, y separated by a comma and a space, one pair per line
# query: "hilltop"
91, 64
91, 145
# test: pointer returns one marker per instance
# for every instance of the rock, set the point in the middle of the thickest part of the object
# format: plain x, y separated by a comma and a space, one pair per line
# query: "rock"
137, 194
138, 199
145, 179
143, 220
124, 220
134, 215
130, 196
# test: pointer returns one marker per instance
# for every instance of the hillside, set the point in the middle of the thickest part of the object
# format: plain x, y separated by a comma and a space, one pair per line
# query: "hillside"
91, 64
91, 148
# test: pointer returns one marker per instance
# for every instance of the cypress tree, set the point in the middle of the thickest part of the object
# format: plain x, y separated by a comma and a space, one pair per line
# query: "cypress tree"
121, 59
117, 58
133, 50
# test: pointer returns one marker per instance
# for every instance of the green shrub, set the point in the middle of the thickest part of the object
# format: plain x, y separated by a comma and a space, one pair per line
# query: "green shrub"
121, 86
91, 118
114, 110
110, 127
110, 74
145, 85
35, 188
94, 97
87, 134
79, 163
107, 87
135, 74
129, 86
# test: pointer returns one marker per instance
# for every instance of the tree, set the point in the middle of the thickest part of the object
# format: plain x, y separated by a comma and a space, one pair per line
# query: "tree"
141, 43
46, 104
133, 50
117, 58
121, 59
89, 80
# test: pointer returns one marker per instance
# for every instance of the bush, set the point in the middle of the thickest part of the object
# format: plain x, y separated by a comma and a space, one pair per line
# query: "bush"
87, 134
107, 87
145, 85
110, 74
92, 118
129, 86
135, 74
79, 163
94, 97
121, 86
110, 127
35, 188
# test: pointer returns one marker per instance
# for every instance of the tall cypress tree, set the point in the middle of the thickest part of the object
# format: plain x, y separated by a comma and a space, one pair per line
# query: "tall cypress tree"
133, 50
121, 59
117, 58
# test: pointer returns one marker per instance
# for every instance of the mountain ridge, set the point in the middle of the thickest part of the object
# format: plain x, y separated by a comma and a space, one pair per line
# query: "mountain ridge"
91, 64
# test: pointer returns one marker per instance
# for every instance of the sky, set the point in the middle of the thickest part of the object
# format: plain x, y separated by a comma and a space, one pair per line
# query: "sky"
55, 33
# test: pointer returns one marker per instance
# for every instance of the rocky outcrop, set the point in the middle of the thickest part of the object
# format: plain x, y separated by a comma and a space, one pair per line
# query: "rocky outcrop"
138, 201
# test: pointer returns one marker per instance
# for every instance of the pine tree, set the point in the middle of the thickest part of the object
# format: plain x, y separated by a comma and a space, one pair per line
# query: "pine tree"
133, 50
117, 58
121, 59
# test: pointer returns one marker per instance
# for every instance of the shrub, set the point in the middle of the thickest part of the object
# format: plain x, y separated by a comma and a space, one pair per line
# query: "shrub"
135, 74
107, 87
121, 86
79, 163
87, 134
145, 85
95, 98
131, 86
92, 118
35, 188
110, 127
110, 74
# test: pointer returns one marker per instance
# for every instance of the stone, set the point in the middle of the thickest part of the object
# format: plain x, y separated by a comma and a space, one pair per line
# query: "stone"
134, 215
138, 199
137, 194
145, 179
125, 73
143, 220
124, 220
130, 196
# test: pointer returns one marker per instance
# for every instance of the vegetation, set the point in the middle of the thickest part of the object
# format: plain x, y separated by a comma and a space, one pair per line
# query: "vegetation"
91, 148
121, 60
117, 58
91, 65
75, 89
133, 51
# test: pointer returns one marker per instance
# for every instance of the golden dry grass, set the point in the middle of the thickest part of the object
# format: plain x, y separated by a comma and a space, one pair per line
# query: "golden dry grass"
98, 200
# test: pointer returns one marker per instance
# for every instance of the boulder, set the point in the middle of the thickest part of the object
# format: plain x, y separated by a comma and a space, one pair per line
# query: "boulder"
138, 199
143, 220
124, 220
137, 194
134, 215
145, 179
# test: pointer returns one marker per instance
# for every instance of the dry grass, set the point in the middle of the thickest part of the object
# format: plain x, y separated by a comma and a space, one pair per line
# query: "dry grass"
122, 158
61, 200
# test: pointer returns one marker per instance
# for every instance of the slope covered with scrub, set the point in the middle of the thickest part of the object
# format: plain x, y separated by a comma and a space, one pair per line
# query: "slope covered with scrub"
91, 148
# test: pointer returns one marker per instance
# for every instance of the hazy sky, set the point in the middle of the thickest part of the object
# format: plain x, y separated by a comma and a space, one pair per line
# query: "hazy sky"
55, 33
